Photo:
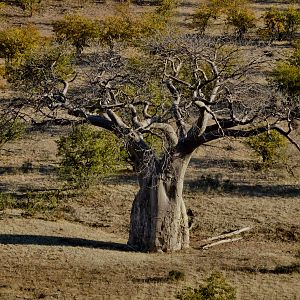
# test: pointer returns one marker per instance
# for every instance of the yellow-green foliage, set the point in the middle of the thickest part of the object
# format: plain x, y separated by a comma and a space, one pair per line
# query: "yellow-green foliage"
238, 14
39, 70
207, 11
127, 26
281, 24
241, 19
287, 74
32, 203
166, 7
77, 30
87, 154
10, 129
214, 288
29, 5
17, 41
26, 5
269, 146
120, 27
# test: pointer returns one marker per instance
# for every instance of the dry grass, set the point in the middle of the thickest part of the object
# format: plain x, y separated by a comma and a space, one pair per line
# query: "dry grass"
78, 249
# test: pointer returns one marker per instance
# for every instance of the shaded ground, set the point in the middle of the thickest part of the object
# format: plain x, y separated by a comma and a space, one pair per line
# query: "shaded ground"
76, 248
61, 260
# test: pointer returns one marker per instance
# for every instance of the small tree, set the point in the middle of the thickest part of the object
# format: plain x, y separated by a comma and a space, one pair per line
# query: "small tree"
87, 155
207, 91
242, 20
29, 5
125, 26
77, 30
166, 8
270, 146
214, 288
207, 11
280, 24
286, 75
18, 41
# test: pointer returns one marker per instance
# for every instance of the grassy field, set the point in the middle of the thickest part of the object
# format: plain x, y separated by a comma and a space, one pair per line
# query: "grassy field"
57, 243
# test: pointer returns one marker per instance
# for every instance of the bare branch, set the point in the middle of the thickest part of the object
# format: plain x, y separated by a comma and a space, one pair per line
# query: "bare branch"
169, 132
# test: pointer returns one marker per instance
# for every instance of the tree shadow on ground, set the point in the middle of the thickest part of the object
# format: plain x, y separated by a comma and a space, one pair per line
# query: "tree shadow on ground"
207, 163
28, 168
4, 187
127, 177
156, 279
208, 184
22, 239
289, 269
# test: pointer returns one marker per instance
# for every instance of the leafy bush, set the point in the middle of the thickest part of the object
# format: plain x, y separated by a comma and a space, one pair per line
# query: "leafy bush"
203, 15
286, 75
41, 69
77, 30
87, 155
242, 20
10, 129
237, 12
214, 288
29, 5
31, 203
166, 7
17, 41
126, 26
120, 27
26, 5
270, 146
281, 25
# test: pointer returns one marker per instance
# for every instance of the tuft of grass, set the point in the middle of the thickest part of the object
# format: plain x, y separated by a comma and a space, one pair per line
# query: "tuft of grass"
6, 201
176, 275
32, 203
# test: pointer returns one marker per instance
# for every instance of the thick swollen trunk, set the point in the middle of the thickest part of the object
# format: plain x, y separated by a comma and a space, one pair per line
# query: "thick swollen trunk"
159, 220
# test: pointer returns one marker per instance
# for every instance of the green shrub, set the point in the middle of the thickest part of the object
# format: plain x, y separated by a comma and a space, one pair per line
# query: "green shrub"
280, 25
32, 203
41, 70
203, 16
77, 30
87, 155
166, 7
237, 12
10, 129
176, 275
214, 288
26, 5
269, 146
29, 5
125, 26
286, 74
17, 41
242, 20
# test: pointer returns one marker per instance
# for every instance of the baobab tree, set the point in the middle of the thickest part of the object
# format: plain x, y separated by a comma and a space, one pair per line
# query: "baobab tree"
186, 92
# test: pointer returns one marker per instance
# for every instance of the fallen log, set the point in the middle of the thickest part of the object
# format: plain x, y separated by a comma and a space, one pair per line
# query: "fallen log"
221, 242
226, 235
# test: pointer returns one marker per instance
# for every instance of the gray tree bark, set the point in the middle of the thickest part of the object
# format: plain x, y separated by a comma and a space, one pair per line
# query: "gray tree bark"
159, 220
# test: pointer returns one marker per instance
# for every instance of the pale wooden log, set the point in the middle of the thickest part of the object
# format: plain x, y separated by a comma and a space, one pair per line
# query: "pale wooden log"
221, 242
226, 235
